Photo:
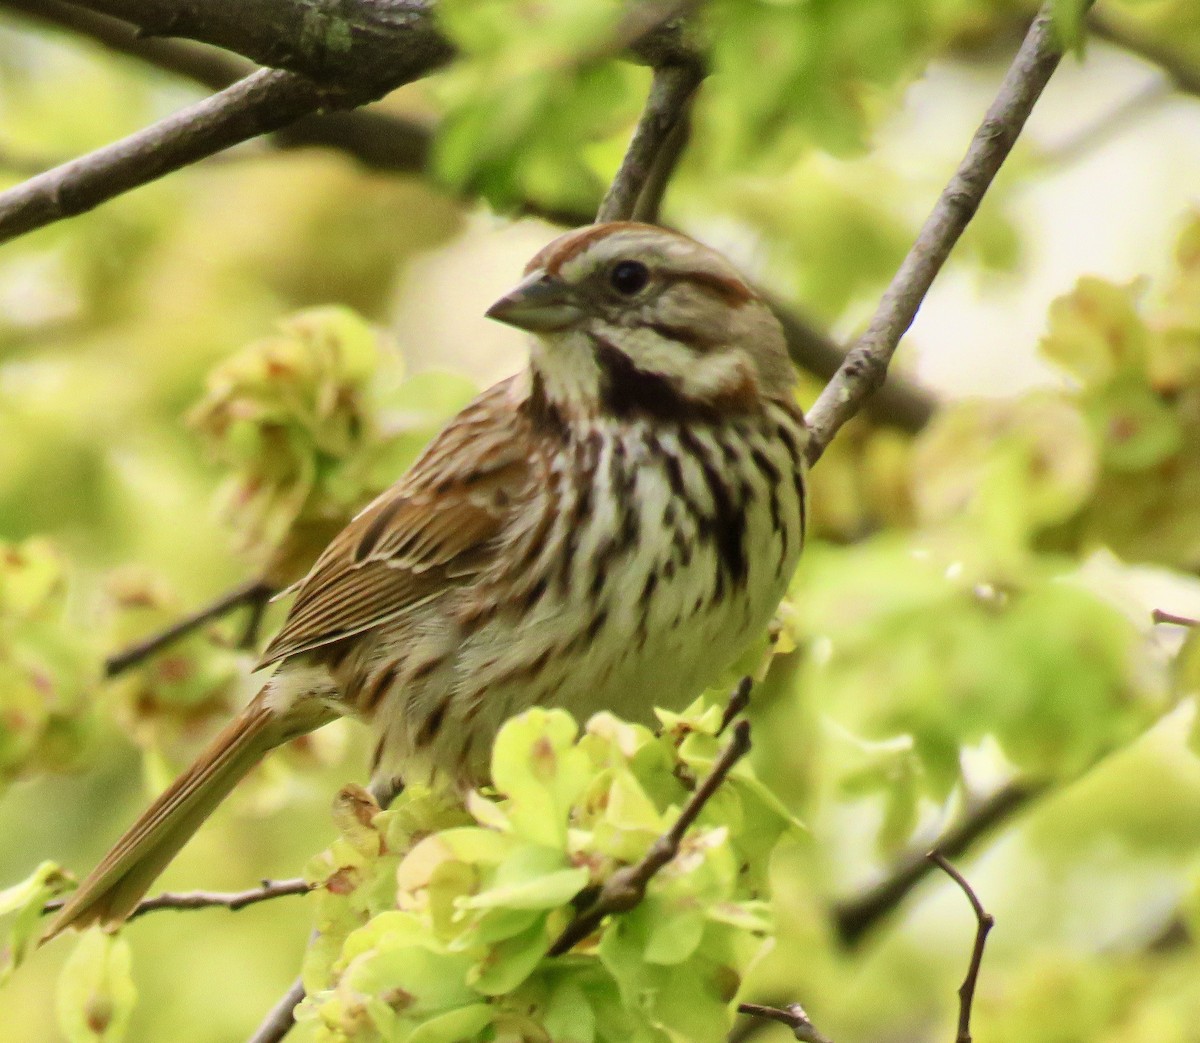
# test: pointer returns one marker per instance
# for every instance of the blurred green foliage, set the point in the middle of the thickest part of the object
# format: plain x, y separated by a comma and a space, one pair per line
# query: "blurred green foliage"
202, 380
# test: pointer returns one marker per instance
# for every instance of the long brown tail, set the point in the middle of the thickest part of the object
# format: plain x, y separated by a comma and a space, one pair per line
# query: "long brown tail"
118, 883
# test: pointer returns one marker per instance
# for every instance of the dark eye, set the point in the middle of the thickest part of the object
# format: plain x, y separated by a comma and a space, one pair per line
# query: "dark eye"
629, 277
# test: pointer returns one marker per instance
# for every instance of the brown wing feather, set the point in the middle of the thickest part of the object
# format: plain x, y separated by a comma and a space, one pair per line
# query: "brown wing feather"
434, 529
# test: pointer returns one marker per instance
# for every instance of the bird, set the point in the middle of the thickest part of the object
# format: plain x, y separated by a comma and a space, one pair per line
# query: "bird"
606, 530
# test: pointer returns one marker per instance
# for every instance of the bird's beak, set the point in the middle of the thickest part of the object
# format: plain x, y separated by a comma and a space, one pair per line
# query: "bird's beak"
539, 303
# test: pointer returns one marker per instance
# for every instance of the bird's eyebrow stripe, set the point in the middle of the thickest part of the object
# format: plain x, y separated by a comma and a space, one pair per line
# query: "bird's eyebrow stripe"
733, 292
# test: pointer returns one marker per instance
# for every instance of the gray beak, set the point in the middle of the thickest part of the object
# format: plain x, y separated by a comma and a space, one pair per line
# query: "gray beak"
540, 303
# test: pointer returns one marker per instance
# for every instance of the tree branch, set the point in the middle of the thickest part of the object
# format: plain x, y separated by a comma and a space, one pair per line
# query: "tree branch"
1159, 616
627, 886
281, 1017
985, 922
378, 140
854, 918
865, 366
385, 142
258, 104
255, 593
671, 92
370, 45
188, 900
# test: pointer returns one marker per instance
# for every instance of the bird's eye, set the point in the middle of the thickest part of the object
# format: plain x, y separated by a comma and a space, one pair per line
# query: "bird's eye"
629, 277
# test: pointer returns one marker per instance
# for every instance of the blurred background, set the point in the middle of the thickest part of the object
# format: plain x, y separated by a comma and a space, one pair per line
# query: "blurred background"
202, 379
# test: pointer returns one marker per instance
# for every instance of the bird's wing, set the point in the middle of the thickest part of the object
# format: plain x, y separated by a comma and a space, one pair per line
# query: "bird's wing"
434, 529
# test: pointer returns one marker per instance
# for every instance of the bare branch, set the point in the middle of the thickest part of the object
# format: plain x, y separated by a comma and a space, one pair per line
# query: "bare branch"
207, 66
866, 364
262, 102
378, 140
386, 142
187, 900
671, 93
793, 1016
280, 1019
738, 701
373, 45
855, 917
255, 593
1159, 616
985, 922
650, 201
627, 886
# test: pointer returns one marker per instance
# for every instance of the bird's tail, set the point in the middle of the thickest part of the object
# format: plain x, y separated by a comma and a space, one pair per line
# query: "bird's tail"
120, 881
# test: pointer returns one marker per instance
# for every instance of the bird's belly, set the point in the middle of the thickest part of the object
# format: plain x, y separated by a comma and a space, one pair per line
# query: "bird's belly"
641, 623
623, 650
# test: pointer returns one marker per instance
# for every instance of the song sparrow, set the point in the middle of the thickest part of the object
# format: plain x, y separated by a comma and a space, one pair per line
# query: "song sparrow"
606, 530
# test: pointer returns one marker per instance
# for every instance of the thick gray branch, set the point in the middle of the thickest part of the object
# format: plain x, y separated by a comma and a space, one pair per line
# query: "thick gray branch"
376, 139
866, 364
367, 43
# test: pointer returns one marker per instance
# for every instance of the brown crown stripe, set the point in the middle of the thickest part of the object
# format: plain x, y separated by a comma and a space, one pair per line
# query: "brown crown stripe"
552, 257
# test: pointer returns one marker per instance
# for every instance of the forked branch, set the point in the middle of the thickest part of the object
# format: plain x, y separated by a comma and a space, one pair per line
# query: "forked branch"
856, 916
984, 923
659, 132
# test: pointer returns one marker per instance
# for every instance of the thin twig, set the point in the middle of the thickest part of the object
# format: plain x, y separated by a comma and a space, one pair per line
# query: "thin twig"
738, 701
627, 886
855, 917
867, 362
984, 923
187, 900
280, 1019
671, 91
1159, 616
255, 593
793, 1016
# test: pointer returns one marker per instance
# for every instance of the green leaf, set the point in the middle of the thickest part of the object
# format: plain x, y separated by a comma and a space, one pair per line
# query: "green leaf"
537, 765
1069, 23
455, 1026
26, 900
532, 878
675, 937
96, 993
